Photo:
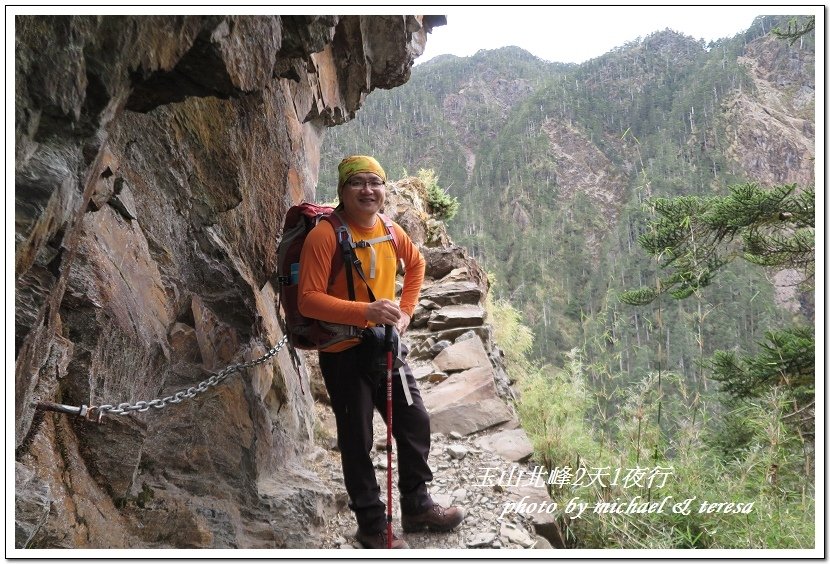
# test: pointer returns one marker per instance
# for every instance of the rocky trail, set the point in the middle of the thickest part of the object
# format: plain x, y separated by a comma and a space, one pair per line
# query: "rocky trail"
467, 473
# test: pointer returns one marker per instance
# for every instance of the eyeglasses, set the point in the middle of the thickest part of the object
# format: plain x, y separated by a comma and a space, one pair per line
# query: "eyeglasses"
369, 183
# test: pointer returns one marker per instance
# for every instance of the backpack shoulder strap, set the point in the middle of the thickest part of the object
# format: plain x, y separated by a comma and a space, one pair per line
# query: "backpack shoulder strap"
390, 229
345, 245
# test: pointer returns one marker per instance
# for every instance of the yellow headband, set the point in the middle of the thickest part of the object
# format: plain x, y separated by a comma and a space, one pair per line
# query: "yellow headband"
355, 165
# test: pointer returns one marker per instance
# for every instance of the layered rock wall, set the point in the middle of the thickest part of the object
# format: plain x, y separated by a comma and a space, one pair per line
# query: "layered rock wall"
155, 159
464, 383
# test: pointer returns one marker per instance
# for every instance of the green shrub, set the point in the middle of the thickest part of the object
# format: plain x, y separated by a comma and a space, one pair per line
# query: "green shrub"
442, 205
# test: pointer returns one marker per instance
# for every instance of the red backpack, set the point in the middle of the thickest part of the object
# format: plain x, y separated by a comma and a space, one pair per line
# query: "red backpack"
304, 332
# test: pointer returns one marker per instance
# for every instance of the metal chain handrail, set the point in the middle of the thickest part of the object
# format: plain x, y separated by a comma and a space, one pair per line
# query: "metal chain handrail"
191, 392
97, 412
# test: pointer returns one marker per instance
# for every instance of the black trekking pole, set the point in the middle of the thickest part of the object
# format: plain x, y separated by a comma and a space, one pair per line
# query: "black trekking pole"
389, 364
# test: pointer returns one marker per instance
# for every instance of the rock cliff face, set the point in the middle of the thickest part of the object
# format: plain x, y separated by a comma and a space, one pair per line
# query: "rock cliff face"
773, 137
155, 158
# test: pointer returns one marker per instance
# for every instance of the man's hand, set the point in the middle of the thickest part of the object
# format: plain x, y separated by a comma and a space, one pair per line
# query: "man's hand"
384, 312
403, 323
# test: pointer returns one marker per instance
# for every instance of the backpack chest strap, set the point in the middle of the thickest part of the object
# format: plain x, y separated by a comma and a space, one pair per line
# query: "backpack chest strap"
373, 255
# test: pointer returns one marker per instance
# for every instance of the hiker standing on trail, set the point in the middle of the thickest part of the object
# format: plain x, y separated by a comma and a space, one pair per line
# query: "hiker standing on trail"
355, 371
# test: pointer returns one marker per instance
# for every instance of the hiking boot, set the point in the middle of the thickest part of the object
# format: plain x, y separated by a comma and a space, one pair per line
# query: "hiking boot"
436, 519
378, 540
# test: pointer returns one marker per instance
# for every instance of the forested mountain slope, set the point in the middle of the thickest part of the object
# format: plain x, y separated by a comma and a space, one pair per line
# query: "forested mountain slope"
552, 164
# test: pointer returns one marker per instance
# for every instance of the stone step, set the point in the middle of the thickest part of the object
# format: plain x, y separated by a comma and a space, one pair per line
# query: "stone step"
453, 316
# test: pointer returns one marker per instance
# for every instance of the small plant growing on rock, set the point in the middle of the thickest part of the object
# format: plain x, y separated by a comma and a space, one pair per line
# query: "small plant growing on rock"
442, 205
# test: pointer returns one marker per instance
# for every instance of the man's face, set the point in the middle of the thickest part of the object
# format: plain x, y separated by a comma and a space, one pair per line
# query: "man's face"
363, 194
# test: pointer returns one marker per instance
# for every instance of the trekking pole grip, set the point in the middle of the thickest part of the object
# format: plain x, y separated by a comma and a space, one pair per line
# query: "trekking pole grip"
387, 337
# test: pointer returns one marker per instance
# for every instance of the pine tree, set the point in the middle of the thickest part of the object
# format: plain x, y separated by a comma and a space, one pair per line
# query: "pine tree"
693, 238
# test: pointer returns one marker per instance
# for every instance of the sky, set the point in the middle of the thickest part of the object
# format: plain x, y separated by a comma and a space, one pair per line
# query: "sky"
574, 34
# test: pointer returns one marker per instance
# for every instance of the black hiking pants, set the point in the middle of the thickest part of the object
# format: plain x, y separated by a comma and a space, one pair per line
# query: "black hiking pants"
356, 387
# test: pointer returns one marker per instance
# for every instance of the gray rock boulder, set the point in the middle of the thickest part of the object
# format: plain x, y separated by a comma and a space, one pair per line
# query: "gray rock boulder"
468, 418
466, 403
511, 444
462, 356
464, 292
443, 260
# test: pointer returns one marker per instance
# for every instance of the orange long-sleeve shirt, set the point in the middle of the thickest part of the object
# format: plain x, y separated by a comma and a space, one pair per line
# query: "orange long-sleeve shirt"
318, 300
